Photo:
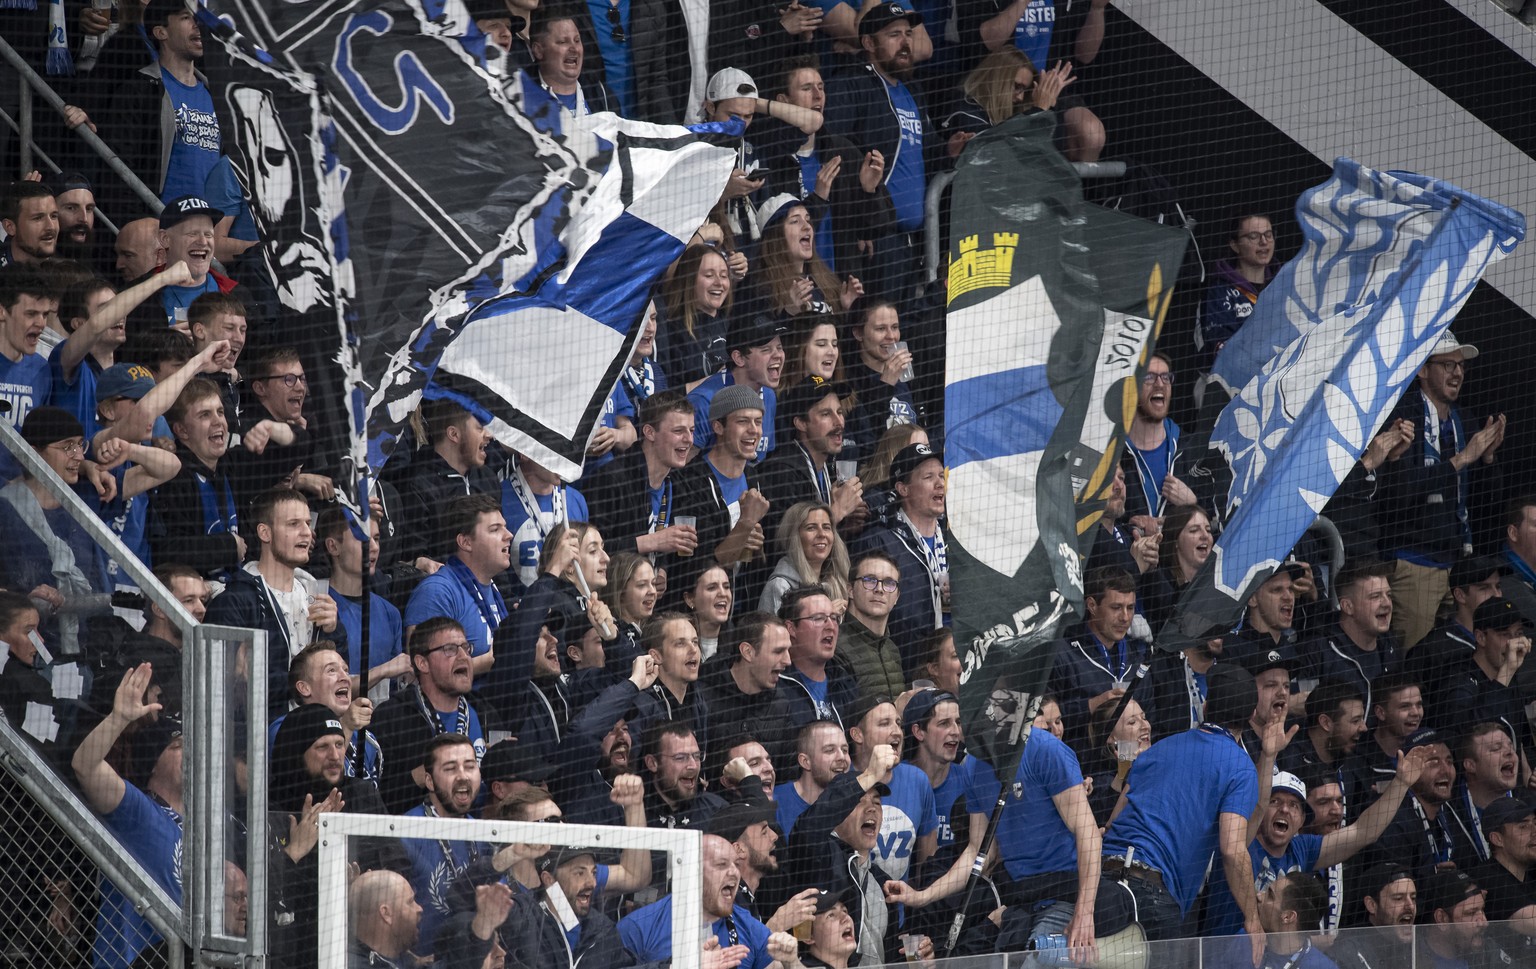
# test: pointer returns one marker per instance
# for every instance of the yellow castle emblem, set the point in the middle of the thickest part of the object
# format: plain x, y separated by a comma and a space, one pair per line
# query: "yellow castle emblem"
977, 268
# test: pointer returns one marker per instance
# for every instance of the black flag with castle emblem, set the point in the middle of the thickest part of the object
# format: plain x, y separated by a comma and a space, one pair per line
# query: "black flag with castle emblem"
1024, 327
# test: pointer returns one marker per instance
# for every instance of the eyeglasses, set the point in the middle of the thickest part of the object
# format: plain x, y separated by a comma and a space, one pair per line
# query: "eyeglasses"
613, 21
288, 379
1254, 237
70, 448
1451, 366
1158, 378
692, 757
464, 648
552, 819
873, 582
818, 619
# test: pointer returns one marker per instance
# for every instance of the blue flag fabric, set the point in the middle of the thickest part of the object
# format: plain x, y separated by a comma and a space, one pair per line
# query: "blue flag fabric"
402, 193
1300, 424
1353, 237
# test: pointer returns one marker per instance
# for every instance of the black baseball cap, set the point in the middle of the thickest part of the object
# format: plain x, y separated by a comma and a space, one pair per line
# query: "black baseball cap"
732, 820
886, 14
1446, 890
1424, 737
1277, 656
920, 707
1505, 810
799, 399
756, 330
1474, 569
1496, 613
912, 457
184, 207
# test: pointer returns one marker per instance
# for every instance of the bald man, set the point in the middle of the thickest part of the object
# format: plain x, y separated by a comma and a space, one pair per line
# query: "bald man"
385, 920
138, 249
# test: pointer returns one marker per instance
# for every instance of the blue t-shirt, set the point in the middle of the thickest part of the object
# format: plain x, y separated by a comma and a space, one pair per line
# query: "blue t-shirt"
385, 630
1032, 34
24, 384
788, 806
704, 431
647, 934
223, 193
152, 834
434, 866
1032, 838
906, 816
971, 777
1222, 916
78, 396
731, 489
130, 525
618, 67
195, 148
1178, 790
181, 297
908, 182
453, 592
528, 535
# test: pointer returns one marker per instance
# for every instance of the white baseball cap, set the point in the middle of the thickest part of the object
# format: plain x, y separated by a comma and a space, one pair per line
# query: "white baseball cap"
1449, 344
730, 83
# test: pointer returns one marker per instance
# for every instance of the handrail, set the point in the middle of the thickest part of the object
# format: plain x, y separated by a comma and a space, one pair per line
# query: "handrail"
51, 97
53, 166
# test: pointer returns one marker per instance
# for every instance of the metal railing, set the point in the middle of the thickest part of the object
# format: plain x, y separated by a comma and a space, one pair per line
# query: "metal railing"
31, 82
211, 684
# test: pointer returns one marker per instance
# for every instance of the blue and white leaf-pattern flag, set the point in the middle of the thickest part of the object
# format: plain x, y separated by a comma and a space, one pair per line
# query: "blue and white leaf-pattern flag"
1390, 259
1357, 228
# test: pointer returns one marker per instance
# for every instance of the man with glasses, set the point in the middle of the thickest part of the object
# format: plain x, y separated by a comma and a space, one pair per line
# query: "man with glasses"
675, 795
1156, 474
1425, 494
1238, 282
277, 445
863, 644
814, 687
440, 702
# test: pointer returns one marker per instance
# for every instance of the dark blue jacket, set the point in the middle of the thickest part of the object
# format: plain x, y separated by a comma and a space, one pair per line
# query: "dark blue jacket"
859, 109
245, 604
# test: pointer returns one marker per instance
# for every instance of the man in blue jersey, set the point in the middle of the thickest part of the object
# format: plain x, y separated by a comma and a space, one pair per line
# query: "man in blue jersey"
756, 361
452, 772
1281, 847
146, 819
26, 299
821, 751
1050, 848
743, 940
533, 500
814, 687
386, 653
463, 588
1189, 796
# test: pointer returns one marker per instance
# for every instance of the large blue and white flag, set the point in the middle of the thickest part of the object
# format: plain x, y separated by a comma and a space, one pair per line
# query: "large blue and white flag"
400, 192
541, 365
1390, 258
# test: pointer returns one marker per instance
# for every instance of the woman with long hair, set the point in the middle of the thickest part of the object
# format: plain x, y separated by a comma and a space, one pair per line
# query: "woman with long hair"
789, 279
1183, 547
810, 553
811, 350
690, 342
878, 374
631, 596
1112, 747
709, 599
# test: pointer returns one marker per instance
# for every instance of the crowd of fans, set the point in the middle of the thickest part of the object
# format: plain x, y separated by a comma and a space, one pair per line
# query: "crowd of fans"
736, 620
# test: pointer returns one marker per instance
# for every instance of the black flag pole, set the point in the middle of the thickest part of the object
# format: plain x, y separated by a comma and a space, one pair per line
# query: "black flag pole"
360, 755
